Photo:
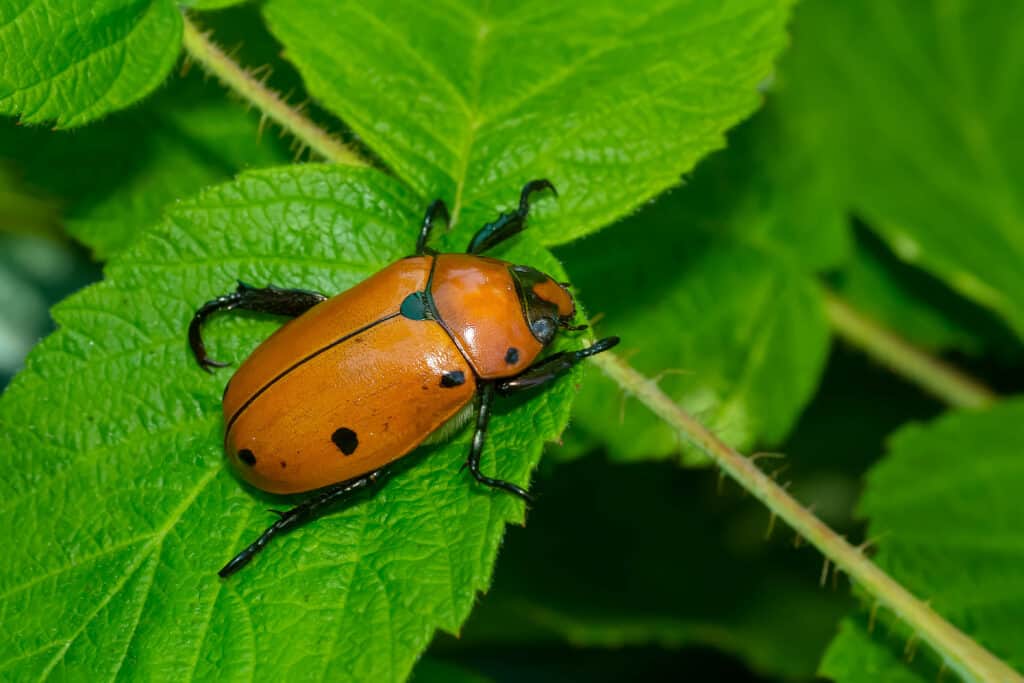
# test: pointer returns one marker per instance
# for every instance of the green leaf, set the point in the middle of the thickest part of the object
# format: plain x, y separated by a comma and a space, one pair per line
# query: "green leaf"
649, 555
711, 295
73, 62
122, 508
855, 655
117, 176
464, 101
945, 506
920, 307
766, 190
914, 107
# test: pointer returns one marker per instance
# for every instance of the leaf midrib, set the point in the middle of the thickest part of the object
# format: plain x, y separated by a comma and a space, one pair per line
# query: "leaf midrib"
761, 328
476, 120
208, 618
156, 542
473, 121
141, 434
336, 635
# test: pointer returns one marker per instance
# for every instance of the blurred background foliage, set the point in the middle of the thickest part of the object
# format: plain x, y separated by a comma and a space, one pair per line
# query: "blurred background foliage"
632, 566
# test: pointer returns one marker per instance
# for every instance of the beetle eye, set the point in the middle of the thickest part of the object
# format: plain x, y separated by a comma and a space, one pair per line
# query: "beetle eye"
544, 330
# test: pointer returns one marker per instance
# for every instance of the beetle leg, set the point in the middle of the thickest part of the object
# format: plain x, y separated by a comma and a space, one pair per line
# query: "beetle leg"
483, 416
289, 302
552, 367
296, 516
434, 211
508, 224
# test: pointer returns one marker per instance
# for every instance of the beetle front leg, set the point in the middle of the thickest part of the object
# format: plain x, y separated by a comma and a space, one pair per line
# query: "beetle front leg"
552, 367
300, 514
508, 224
288, 302
483, 416
436, 210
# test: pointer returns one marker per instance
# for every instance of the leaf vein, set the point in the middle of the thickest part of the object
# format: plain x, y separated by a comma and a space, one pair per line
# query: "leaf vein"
134, 565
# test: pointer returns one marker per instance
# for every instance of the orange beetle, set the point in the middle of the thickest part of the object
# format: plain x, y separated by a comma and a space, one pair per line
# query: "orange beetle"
359, 380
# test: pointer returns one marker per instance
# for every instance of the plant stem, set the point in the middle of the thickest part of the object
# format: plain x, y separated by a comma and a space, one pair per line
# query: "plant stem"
200, 48
939, 379
969, 659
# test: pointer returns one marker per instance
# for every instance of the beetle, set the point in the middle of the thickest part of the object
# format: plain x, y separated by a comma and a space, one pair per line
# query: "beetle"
357, 381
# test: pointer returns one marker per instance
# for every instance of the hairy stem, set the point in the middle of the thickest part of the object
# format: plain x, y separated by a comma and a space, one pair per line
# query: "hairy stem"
961, 653
937, 378
201, 49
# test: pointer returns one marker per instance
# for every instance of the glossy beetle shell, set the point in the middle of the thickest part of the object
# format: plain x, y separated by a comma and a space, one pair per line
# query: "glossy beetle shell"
358, 381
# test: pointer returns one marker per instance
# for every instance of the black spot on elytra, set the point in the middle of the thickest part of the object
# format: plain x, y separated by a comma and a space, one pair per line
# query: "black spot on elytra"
453, 378
247, 456
346, 440
512, 355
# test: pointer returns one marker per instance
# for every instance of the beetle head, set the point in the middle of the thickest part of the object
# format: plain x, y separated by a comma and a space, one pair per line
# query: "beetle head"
547, 305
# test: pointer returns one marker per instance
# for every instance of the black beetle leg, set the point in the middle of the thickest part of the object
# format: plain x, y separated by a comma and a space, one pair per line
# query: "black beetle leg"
552, 367
289, 302
434, 211
508, 224
296, 516
483, 415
